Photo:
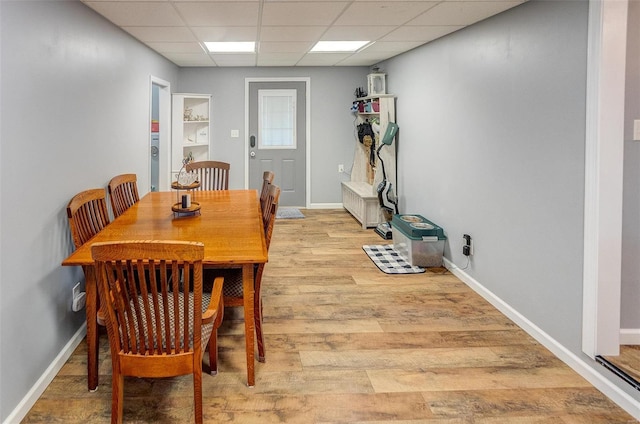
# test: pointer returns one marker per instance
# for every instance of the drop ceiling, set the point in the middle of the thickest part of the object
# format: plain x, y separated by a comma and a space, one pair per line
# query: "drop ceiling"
285, 30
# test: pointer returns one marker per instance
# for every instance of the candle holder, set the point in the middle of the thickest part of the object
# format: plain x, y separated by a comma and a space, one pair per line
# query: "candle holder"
185, 181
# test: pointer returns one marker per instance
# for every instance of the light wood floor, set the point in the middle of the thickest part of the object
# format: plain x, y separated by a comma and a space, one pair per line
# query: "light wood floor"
349, 344
628, 361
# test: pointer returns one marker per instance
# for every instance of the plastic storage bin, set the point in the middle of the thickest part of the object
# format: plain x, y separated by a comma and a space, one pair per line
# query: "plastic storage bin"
418, 240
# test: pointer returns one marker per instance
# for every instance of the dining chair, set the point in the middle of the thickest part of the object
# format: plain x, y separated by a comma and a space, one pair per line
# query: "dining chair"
123, 192
232, 291
87, 213
213, 175
267, 180
156, 327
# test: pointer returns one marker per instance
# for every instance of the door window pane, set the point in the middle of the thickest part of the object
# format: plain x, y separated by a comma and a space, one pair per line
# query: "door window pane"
276, 119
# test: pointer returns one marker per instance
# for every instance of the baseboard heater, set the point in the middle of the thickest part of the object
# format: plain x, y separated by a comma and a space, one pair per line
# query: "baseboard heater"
619, 372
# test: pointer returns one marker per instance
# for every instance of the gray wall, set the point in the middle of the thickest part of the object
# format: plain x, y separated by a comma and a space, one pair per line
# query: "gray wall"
492, 143
332, 126
75, 112
630, 310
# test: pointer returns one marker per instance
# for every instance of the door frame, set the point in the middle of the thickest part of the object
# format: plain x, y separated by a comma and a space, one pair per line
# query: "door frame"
164, 133
604, 155
307, 81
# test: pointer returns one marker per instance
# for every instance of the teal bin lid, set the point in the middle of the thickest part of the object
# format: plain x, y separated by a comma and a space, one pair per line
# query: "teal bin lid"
416, 227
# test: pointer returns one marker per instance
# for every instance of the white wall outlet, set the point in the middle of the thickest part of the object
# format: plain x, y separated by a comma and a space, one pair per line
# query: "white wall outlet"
636, 130
79, 298
235, 133
76, 290
340, 168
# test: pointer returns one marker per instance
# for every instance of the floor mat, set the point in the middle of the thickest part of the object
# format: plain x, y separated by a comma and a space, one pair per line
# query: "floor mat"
289, 213
389, 261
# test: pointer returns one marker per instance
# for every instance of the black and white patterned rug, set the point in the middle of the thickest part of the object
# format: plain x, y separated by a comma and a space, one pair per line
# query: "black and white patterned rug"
389, 261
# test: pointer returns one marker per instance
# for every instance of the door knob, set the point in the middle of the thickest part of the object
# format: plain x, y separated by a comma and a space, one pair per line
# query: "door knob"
252, 154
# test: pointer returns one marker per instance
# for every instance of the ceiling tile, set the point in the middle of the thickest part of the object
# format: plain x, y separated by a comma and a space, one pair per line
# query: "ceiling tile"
392, 46
137, 13
234, 59
285, 30
354, 33
279, 59
363, 60
462, 12
165, 47
190, 59
226, 33
383, 13
301, 13
176, 34
305, 1
219, 13
420, 33
213, 1
284, 47
287, 33
322, 59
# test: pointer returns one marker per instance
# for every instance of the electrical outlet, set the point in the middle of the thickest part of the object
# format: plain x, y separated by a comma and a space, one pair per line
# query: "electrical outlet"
467, 248
79, 298
340, 168
76, 290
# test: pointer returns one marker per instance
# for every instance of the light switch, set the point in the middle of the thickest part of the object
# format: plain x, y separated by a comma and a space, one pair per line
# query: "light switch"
636, 129
235, 133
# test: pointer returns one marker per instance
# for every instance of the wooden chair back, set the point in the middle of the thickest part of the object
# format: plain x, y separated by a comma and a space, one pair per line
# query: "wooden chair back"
270, 210
273, 200
87, 213
267, 180
123, 192
212, 175
152, 291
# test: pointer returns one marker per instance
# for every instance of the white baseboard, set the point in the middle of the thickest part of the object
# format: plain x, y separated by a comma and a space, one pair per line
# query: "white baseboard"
630, 336
578, 364
46, 378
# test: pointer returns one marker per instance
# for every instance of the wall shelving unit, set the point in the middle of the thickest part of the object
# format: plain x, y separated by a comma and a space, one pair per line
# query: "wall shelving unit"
359, 196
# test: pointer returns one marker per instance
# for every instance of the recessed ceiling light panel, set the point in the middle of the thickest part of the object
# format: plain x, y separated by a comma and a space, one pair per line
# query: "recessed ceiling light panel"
338, 46
230, 46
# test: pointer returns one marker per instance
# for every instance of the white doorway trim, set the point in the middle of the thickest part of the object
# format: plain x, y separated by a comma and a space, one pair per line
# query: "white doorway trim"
604, 154
307, 81
164, 112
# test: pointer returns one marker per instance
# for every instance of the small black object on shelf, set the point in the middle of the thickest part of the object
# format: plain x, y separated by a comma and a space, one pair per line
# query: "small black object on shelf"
360, 92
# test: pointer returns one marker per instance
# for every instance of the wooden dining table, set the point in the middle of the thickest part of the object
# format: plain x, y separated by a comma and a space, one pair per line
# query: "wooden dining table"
229, 224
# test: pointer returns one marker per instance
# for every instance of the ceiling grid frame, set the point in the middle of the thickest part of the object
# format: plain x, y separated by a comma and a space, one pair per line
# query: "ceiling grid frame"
285, 30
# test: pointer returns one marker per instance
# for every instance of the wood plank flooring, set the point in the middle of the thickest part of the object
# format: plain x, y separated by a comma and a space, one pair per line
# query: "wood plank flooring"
628, 361
348, 344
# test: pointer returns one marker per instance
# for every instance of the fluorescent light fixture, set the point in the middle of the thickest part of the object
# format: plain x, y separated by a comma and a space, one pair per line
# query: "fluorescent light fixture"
338, 46
230, 46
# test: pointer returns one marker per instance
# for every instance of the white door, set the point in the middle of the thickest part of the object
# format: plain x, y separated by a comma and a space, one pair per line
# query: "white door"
277, 137
159, 142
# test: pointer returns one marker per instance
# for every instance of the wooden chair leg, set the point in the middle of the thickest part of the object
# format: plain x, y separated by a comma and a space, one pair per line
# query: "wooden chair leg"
257, 313
213, 352
197, 393
213, 340
117, 392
